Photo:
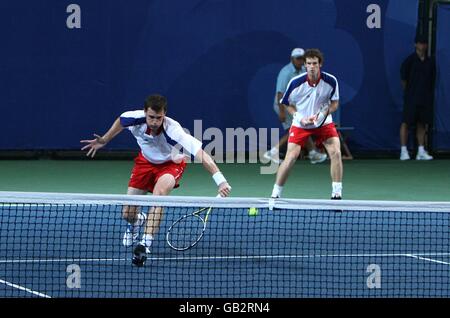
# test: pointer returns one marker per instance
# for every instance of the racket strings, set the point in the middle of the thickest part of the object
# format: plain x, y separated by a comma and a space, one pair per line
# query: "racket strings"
186, 232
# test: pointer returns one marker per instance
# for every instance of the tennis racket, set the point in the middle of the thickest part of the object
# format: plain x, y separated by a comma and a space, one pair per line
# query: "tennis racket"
322, 115
188, 230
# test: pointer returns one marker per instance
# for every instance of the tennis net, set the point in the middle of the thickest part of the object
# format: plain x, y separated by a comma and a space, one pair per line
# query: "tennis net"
70, 245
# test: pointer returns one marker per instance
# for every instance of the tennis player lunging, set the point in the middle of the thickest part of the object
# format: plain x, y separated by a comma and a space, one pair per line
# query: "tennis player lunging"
157, 168
303, 98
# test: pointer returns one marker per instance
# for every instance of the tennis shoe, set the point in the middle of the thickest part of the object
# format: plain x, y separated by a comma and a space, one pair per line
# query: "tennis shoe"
404, 155
132, 232
424, 156
337, 197
274, 158
318, 157
140, 254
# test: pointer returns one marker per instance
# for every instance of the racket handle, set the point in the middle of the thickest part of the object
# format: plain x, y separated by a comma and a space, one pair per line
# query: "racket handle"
320, 117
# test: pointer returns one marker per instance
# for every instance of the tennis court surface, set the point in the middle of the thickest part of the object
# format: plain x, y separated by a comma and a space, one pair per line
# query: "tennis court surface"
70, 245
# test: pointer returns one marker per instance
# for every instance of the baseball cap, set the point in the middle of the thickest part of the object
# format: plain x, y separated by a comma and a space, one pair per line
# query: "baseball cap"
297, 52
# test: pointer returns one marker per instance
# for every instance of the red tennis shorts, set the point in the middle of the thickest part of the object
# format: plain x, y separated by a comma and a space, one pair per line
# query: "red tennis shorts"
145, 174
299, 135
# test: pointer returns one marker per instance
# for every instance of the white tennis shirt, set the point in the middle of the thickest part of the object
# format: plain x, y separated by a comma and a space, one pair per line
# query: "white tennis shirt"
166, 145
308, 98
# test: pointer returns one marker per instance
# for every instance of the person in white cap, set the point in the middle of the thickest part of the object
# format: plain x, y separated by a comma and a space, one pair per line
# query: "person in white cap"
294, 68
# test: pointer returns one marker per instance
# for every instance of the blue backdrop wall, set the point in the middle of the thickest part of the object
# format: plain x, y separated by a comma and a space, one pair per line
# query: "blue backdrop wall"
442, 103
215, 60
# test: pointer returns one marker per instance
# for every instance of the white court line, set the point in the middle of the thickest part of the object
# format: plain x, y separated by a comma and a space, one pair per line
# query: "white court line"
245, 257
64, 260
199, 258
24, 289
429, 259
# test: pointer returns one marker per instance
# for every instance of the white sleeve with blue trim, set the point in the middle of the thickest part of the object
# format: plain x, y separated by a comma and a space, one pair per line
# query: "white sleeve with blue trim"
332, 81
293, 83
176, 132
132, 118
335, 96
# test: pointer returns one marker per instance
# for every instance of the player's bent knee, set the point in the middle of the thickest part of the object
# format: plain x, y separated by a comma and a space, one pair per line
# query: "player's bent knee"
292, 155
164, 185
161, 192
335, 154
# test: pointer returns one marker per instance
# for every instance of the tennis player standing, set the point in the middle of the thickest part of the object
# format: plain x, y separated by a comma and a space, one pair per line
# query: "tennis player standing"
303, 98
158, 167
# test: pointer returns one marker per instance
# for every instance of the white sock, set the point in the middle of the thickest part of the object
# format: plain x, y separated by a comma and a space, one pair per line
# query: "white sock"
404, 149
421, 149
276, 193
312, 152
147, 240
274, 151
337, 189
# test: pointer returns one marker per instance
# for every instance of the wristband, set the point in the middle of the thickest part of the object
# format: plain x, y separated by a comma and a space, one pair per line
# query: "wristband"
219, 178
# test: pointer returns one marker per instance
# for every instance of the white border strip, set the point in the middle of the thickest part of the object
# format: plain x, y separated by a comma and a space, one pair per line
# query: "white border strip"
190, 201
24, 289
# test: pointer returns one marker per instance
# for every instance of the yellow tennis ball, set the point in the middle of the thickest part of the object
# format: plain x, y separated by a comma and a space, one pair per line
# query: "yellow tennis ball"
252, 211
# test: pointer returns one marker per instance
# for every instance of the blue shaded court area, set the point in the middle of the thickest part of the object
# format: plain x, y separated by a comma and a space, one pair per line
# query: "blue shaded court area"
76, 251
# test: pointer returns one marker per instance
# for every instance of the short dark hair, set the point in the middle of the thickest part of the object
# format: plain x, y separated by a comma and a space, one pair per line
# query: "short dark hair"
156, 102
311, 53
421, 38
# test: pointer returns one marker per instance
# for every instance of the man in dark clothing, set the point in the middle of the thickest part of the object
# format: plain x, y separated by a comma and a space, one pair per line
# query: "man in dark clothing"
417, 76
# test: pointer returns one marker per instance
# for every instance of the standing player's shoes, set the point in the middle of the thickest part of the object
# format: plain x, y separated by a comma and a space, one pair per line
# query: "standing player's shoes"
275, 159
140, 254
404, 155
424, 156
318, 157
132, 233
337, 197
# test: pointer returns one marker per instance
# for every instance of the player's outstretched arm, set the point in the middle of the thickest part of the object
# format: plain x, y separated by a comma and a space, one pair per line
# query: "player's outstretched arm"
100, 141
209, 164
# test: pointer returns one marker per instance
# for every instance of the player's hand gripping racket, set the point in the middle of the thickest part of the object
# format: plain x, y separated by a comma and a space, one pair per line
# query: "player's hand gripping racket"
322, 115
188, 230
